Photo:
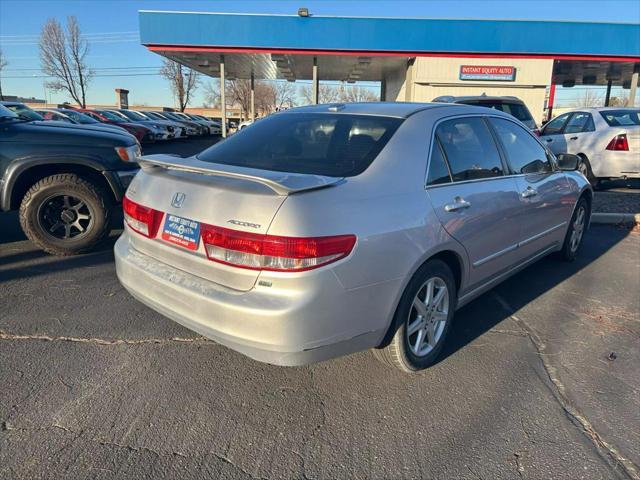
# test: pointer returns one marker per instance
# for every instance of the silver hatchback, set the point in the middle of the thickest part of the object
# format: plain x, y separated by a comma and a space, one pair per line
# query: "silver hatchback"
330, 229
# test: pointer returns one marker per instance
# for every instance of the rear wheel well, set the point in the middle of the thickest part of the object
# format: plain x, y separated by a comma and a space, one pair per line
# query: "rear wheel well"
453, 261
588, 196
30, 176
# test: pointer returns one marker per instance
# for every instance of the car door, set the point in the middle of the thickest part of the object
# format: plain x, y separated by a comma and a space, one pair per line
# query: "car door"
578, 132
473, 199
552, 135
544, 191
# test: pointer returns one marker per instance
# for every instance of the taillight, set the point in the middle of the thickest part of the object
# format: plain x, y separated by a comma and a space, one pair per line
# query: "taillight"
619, 143
274, 253
143, 220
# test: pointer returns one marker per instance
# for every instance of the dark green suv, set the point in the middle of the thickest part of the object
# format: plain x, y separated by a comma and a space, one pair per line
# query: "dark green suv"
64, 179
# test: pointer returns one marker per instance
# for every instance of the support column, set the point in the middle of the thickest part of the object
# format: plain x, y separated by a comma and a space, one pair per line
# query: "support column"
633, 89
253, 98
552, 97
608, 95
316, 82
408, 82
223, 100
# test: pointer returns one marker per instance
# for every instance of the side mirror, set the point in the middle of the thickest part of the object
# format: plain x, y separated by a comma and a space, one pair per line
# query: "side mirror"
568, 161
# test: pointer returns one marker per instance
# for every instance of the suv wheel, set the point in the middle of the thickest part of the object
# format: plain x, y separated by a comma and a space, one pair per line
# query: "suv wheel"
65, 214
422, 320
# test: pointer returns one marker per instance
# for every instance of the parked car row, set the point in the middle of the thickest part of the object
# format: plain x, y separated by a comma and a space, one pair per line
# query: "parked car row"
146, 126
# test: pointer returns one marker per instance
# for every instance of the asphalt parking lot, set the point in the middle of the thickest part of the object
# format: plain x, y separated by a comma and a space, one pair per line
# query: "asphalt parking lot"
541, 380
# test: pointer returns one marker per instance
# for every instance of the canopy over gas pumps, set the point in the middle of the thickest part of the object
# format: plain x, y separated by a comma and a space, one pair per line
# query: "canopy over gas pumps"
294, 47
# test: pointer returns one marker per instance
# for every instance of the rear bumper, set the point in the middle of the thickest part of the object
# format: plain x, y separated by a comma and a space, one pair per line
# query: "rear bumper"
616, 165
276, 326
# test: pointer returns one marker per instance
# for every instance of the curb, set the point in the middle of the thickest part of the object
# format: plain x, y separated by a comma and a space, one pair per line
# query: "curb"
615, 218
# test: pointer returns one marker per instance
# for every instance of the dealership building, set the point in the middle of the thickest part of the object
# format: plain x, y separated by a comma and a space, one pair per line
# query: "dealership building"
412, 59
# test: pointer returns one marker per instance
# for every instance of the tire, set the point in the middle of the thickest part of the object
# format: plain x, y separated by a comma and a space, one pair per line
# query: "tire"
65, 214
575, 232
584, 167
403, 350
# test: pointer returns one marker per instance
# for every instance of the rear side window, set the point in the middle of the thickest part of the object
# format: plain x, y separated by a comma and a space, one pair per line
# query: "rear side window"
621, 118
580, 122
524, 153
438, 170
469, 149
514, 109
336, 145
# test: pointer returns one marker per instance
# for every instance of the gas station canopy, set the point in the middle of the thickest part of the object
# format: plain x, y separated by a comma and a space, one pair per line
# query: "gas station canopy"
360, 49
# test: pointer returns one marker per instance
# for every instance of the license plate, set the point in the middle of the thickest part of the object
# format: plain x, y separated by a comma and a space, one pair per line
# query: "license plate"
181, 231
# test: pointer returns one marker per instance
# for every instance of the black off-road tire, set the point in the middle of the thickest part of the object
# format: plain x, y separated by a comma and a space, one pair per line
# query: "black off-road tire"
396, 351
93, 195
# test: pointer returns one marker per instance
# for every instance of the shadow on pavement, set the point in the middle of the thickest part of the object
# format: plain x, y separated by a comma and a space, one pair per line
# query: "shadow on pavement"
481, 315
41, 263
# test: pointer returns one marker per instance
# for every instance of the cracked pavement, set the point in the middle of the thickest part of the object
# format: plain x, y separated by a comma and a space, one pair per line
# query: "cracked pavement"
95, 385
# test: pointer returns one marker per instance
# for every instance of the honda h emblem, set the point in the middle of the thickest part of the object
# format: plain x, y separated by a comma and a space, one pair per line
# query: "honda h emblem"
178, 199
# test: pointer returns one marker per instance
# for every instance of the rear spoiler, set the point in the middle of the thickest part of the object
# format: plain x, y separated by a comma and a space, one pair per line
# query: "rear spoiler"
282, 183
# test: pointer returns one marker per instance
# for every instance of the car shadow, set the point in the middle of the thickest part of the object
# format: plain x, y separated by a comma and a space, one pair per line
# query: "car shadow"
481, 315
36, 262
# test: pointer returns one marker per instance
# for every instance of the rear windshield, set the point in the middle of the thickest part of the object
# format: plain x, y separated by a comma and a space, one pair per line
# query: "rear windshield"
335, 145
621, 118
515, 109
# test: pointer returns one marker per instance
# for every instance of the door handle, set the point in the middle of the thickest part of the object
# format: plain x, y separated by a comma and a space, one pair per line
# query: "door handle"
549, 140
458, 204
573, 138
529, 192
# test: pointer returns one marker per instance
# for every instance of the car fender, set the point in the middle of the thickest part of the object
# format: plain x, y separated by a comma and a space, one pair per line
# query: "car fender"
579, 185
20, 165
448, 244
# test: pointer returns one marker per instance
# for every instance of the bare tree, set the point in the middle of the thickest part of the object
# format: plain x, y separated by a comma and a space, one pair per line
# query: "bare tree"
622, 100
589, 98
62, 55
3, 63
281, 96
357, 93
326, 94
184, 81
212, 95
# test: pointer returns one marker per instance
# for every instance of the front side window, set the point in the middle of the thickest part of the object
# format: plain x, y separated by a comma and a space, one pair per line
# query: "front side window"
337, 145
556, 125
579, 122
469, 148
524, 153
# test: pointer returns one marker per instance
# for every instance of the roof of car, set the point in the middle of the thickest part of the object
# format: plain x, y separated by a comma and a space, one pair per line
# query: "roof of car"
467, 98
388, 109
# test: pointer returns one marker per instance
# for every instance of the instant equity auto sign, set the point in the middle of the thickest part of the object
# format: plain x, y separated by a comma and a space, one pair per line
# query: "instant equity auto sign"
498, 73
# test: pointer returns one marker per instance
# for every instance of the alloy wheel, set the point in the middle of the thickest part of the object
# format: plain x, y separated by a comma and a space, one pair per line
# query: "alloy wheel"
578, 228
65, 217
428, 316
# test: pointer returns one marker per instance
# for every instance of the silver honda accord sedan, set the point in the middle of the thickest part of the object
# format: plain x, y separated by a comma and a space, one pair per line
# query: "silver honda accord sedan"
330, 229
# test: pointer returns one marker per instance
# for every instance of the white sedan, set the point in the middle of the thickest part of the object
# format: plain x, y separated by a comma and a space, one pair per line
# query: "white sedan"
607, 139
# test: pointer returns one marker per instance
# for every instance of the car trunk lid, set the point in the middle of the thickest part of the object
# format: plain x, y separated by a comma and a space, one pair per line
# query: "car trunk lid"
190, 192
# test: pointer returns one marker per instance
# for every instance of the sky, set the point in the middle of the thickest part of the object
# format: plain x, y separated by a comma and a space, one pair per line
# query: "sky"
119, 60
